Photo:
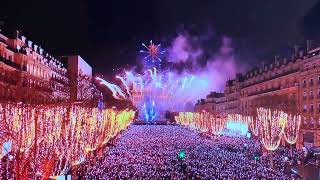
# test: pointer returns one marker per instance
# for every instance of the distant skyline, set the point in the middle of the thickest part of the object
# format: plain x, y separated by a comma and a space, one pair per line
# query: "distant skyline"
108, 34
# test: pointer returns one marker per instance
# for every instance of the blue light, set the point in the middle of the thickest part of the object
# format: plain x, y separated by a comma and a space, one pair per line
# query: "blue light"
6, 147
294, 171
248, 135
149, 110
237, 128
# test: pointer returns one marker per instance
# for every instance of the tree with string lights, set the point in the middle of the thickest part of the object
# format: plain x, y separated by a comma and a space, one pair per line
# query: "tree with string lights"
271, 128
253, 125
291, 130
46, 141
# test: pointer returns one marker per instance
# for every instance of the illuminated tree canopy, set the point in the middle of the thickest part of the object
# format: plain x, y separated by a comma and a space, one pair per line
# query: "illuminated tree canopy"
41, 136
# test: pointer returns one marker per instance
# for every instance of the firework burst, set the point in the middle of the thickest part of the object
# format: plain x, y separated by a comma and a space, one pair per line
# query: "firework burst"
152, 54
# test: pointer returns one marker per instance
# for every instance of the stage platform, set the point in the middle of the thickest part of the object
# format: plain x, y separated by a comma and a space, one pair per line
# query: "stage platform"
158, 122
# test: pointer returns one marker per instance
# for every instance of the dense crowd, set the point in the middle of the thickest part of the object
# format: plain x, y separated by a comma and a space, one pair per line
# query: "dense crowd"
151, 152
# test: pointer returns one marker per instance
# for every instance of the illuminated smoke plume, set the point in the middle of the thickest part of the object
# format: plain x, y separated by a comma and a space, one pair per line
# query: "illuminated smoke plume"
222, 66
181, 50
219, 67
170, 89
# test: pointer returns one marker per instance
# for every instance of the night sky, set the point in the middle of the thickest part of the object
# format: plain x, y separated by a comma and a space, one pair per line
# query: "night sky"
108, 33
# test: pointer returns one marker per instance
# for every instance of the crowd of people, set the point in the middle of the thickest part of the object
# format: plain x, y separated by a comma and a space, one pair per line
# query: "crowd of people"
152, 152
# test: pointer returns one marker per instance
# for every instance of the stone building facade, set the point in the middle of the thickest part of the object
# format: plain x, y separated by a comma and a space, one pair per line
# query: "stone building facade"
80, 78
211, 103
292, 83
29, 74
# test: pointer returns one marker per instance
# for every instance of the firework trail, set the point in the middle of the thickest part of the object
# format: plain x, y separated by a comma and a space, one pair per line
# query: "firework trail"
117, 92
155, 91
168, 90
125, 85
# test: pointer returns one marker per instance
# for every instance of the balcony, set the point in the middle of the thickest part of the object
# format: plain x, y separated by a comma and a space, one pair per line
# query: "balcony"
231, 107
233, 99
59, 80
10, 63
220, 102
265, 91
13, 49
271, 78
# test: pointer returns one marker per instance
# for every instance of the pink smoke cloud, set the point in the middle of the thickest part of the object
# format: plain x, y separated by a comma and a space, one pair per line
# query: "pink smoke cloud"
181, 50
220, 67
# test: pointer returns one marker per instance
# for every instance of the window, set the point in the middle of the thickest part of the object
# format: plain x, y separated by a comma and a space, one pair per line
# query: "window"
304, 94
308, 137
311, 81
305, 120
311, 94
304, 107
311, 107
312, 120
318, 78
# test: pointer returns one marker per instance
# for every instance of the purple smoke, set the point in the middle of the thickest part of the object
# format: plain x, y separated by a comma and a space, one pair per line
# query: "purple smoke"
219, 67
181, 50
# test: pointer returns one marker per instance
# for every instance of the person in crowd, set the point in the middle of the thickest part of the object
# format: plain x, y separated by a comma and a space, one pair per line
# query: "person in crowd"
152, 152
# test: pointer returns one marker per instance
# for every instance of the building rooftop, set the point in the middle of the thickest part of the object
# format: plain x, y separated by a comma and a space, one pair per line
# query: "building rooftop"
215, 95
310, 50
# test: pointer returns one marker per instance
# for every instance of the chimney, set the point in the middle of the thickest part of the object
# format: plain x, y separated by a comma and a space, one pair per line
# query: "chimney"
30, 44
300, 54
35, 48
17, 34
296, 50
285, 60
276, 60
309, 45
23, 38
41, 50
